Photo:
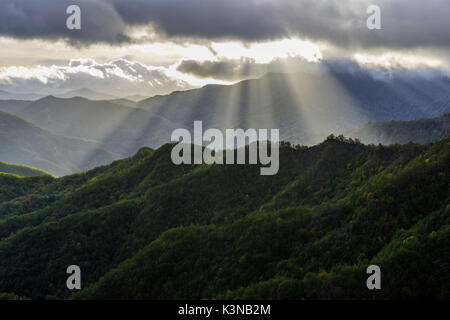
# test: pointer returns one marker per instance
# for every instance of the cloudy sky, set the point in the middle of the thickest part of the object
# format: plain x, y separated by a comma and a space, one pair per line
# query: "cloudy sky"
157, 46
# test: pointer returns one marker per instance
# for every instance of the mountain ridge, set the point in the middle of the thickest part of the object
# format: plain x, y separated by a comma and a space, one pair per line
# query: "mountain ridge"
178, 228
87, 94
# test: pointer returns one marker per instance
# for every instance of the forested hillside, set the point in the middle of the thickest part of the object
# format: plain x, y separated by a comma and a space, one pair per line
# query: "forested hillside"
143, 228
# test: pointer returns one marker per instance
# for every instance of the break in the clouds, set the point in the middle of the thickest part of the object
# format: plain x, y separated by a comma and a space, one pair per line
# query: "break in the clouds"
405, 23
116, 77
234, 61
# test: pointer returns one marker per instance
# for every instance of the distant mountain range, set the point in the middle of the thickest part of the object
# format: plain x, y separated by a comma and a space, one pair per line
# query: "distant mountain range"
88, 94
304, 103
305, 107
24, 143
297, 104
5, 95
82, 92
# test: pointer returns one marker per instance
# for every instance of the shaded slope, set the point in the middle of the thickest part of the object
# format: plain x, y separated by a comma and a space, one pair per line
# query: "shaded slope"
120, 129
24, 143
20, 170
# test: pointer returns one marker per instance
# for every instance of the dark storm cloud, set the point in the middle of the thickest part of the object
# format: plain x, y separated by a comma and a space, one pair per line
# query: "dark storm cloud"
243, 19
224, 70
46, 19
405, 23
238, 69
